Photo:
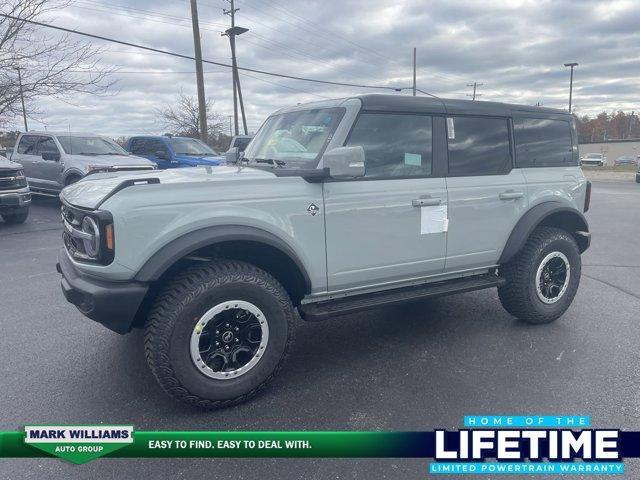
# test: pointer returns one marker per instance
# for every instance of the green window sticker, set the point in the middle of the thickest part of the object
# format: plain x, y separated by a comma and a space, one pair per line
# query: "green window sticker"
413, 159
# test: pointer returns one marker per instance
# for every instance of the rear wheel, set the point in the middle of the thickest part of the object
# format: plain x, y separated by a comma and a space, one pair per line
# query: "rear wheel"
544, 278
15, 218
218, 333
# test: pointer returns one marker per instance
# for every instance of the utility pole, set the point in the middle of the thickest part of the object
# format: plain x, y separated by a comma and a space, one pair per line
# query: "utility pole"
414, 71
631, 121
573, 64
24, 111
231, 125
202, 104
237, 90
475, 85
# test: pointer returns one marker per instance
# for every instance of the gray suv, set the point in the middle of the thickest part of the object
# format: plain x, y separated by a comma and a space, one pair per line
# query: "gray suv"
52, 161
337, 207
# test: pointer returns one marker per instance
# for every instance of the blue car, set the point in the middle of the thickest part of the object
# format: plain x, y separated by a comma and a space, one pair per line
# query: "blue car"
174, 152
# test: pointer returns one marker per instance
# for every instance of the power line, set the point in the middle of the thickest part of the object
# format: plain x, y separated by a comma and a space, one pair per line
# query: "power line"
188, 57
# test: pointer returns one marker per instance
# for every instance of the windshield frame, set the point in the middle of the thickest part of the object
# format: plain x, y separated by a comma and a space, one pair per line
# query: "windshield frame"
297, 164
68, 140
197, 141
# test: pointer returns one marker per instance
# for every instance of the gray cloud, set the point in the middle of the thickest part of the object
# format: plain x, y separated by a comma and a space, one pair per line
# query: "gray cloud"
515, 48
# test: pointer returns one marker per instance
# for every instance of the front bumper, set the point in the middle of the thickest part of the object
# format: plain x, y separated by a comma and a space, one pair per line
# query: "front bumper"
113, 304
15, 200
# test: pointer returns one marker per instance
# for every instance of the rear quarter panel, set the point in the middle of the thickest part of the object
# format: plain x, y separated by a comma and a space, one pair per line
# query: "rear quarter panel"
564, 184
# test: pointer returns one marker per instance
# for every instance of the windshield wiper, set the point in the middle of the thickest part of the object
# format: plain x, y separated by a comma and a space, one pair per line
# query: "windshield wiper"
275, 163
111, 153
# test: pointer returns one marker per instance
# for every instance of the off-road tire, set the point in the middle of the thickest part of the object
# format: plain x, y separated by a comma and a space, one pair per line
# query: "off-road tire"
15, 218
177, 309
518, 296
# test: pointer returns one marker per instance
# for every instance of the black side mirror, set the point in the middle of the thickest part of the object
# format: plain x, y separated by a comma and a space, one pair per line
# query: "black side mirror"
161, 154
51, 156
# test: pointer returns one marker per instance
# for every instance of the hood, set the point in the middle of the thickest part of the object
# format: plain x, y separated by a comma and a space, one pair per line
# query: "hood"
6, 163
196, 160
108, 160
92, 190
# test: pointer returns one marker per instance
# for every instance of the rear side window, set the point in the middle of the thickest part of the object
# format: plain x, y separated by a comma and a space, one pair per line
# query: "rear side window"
542, 142
27, 144
478, 146
394, 145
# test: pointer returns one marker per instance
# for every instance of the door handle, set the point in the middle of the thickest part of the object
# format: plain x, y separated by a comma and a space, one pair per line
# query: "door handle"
426, 202
510, 195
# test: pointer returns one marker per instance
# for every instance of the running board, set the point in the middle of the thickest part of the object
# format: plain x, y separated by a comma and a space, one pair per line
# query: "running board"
322, 310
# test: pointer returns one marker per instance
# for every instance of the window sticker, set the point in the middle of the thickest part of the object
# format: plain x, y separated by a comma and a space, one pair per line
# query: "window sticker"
413, 159
451, 131
434, 219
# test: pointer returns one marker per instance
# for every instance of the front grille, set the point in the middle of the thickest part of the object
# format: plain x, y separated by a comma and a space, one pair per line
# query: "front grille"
9, 180
72, 218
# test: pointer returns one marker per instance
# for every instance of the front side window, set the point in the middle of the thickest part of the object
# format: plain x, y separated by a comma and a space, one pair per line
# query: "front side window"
478, 146
394, 145
541, 142
294, 139
190, 146
74, 145
27, 145
47, 145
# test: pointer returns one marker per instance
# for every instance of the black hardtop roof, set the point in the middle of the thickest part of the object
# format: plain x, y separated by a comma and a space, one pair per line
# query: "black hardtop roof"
419, 104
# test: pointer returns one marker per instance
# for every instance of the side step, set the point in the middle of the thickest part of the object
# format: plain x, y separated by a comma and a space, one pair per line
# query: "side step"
322, 310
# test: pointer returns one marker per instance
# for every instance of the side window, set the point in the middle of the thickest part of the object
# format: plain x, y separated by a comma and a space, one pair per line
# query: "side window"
46, 145
478, 146
541, 142
140, 146
27, 144
394, 145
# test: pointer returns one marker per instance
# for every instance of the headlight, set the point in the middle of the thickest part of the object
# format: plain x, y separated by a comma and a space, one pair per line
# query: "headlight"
92, 242
21, 180
97, 168
88, 236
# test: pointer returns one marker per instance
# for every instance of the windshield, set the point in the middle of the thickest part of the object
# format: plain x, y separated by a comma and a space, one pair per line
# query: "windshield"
594, 155
90, 146
190, 146
294, 139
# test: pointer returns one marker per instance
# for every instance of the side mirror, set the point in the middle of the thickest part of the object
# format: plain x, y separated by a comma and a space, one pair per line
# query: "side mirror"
344, 162
51, 156
161, 154
232, 155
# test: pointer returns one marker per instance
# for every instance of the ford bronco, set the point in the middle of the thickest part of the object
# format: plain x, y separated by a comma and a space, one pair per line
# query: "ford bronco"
336, 207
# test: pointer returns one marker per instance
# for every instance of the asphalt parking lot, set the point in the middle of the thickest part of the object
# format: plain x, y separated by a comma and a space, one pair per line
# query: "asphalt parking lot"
417, 367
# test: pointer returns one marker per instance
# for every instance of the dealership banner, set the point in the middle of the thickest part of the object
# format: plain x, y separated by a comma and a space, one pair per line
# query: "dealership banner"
529, 445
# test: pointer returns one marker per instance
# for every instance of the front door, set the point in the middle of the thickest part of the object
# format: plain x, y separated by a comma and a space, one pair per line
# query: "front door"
486, 195
375, 233
27, 156
49, 171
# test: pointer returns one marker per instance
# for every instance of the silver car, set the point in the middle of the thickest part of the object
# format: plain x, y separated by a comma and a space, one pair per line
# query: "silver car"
52, 161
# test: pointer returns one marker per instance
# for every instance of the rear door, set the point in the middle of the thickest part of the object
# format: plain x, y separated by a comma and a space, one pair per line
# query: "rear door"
374, 234
487, 196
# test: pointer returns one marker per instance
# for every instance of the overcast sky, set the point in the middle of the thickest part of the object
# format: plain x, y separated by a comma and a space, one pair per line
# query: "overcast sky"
515, 48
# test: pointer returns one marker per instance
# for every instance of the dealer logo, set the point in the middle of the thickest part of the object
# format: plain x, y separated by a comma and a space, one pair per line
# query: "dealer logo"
78, 444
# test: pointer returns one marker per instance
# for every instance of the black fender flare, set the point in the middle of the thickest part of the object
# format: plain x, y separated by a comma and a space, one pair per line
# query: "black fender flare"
72, 172
536, 216
169, 254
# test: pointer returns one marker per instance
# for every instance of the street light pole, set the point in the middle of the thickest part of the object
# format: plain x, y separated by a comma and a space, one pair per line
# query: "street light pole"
414, 71
572, 65
202, 105
24, 111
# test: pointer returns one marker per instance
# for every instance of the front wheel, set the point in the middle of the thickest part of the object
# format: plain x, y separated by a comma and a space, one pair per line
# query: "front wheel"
543, 279
218, 333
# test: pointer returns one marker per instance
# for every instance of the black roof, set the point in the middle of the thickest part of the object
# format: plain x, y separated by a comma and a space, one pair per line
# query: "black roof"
423, 104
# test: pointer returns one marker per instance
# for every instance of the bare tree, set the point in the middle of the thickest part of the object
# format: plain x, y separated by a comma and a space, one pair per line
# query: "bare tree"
50, 65
183, 119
